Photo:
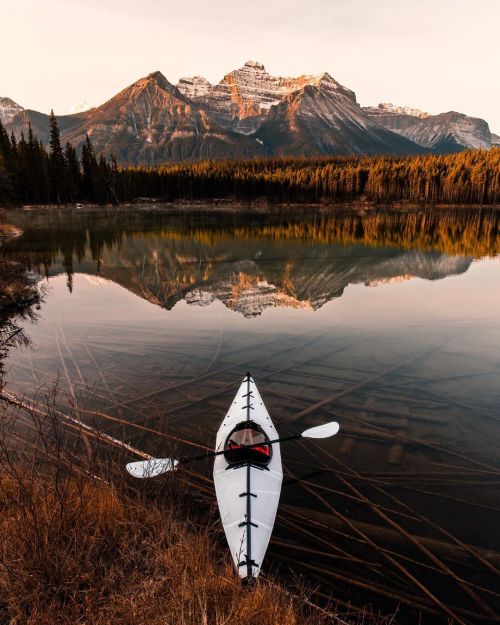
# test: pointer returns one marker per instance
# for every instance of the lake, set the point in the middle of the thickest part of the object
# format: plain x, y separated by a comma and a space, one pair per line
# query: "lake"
155, 315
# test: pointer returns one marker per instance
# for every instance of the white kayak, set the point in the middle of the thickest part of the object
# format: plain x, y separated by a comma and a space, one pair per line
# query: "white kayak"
247, 481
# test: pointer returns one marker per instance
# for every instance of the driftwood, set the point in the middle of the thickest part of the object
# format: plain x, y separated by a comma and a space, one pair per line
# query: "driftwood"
356, 387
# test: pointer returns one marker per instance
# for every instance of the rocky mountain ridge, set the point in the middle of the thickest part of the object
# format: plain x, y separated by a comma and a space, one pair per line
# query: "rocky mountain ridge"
391, 109
446, 132
250, 113
9, 110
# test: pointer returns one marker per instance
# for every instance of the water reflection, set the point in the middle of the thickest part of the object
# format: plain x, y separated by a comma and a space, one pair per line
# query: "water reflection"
254, 262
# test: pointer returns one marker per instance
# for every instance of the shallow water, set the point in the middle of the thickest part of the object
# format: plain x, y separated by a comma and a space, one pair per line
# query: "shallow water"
399, 314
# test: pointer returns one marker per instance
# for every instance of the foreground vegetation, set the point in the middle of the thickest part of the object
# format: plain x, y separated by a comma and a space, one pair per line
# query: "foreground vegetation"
30, 174
87, 545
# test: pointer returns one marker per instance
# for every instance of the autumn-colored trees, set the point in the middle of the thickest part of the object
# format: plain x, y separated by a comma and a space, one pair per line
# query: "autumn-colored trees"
29, 174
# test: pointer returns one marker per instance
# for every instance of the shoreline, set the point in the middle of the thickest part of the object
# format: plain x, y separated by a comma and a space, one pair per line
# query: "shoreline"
259, 206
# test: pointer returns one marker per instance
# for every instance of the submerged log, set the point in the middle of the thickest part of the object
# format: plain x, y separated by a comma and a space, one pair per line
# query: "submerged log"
394, 538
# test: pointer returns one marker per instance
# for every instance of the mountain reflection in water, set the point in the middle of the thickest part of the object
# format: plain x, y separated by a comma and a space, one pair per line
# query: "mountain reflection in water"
270, 261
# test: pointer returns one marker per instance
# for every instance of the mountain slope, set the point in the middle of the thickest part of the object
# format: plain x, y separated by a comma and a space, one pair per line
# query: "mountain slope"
447, 132
323, 119
17, 119
307, 115
152, 122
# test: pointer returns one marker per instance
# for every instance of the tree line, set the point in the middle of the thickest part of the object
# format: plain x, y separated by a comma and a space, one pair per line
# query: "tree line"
31, 173
57, 237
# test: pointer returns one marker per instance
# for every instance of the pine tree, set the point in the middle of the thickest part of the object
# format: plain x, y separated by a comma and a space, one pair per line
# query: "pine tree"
73, 173
89, 171
57, 163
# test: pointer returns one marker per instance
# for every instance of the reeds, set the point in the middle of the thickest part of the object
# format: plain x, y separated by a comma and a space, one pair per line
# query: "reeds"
81, 543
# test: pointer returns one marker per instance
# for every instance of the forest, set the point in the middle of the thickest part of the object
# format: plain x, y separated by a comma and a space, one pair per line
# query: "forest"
31, 173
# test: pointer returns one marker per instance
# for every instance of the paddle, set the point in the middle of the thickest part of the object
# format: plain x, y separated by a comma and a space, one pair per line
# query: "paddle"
157, 466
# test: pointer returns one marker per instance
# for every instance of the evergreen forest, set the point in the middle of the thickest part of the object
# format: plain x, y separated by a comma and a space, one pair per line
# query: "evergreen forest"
31, 173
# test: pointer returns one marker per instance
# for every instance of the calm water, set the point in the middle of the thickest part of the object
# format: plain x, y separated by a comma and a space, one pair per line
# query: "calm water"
154, 317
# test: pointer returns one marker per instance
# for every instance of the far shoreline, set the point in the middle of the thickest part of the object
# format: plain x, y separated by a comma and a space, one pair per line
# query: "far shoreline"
258, 206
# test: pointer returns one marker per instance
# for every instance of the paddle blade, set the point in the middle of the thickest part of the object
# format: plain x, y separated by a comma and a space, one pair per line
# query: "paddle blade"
322, 431
151, 468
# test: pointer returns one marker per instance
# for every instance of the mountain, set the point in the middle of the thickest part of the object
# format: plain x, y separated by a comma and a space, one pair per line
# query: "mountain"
17, 119
81, 107
9, 110
447, 132
307, 115
495, 139
152, 122
249, 113
324, 118
242, 100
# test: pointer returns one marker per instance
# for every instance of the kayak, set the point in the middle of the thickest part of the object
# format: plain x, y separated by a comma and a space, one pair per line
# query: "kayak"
247, 474
247, 480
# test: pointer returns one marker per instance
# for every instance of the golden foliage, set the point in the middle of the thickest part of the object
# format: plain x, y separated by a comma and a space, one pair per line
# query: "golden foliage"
469, 177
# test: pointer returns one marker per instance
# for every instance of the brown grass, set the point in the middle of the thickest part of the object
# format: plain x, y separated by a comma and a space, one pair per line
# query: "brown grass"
76, 550
104, 549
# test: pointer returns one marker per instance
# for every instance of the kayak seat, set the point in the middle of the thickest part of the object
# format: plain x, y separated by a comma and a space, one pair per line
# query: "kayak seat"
246, 444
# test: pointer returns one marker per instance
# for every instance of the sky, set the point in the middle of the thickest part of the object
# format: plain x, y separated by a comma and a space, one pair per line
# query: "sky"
437, 55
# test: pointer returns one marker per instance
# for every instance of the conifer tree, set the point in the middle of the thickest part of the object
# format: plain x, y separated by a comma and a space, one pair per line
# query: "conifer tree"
89, 170
73, 173
57, 164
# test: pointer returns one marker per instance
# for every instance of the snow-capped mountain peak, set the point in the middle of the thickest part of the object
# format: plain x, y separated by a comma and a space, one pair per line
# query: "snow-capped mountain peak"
8, 110
194, 87
81, 107
388, 107
255, 65
446, 132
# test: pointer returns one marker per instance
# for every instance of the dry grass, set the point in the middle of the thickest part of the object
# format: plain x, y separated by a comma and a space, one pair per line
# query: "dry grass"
74, 550
77, 548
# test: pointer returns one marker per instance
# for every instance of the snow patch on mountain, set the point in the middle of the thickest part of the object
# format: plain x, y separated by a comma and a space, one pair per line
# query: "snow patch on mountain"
194, 87
8, 110
81, 107
388, 107
446, 132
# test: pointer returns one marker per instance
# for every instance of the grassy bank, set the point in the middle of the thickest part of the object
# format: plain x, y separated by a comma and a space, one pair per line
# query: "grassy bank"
76, 550
81, 542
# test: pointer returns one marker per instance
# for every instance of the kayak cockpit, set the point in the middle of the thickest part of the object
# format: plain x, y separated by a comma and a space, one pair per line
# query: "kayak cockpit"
247, 444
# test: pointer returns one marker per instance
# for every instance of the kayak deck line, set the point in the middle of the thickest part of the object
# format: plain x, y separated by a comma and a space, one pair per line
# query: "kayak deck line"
248, 521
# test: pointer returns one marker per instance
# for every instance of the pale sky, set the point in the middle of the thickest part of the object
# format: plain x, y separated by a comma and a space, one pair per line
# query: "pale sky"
436, 55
